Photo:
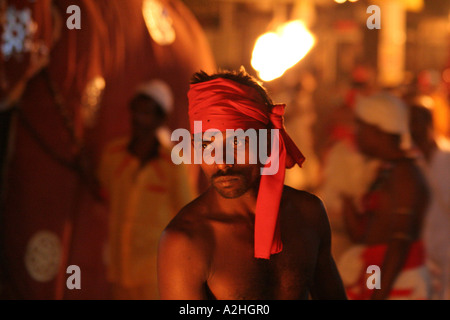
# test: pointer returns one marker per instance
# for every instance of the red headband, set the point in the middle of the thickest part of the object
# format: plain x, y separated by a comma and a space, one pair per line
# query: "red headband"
225, 104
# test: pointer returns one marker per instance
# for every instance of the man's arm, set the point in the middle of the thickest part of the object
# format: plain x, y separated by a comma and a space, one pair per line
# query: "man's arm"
355, 222
182, 267
327, 283
405, 225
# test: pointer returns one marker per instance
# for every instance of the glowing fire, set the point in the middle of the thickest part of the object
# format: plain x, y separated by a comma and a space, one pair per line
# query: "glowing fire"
276, 52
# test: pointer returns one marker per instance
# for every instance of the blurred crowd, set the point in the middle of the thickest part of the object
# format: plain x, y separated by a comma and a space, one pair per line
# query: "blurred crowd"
354, 140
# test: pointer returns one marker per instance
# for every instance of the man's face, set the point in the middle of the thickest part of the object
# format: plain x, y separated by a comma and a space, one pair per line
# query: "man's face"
230, 180
366, 137
372, 141
146, 116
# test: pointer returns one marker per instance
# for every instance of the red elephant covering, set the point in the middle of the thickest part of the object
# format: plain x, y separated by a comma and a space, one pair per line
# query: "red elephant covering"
50, 217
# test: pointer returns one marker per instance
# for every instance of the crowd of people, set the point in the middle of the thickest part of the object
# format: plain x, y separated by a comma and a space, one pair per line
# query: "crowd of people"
385, 185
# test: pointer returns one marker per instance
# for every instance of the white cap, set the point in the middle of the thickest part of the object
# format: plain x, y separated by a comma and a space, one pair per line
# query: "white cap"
159, 91
388, 113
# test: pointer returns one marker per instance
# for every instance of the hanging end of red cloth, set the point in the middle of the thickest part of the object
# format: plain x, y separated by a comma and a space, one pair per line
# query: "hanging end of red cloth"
277, 247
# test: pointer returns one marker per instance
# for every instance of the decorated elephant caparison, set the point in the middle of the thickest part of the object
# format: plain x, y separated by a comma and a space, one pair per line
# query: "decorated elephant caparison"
64, 93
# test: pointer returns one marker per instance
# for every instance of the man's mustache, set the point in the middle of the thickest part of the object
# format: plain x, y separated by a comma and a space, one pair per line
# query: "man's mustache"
227, 173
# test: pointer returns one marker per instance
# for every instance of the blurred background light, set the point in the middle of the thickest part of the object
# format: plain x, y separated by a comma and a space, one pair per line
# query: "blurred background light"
275, 52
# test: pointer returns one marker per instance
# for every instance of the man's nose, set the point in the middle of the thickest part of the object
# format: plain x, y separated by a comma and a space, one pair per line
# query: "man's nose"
221, 162
223, 166
226, 158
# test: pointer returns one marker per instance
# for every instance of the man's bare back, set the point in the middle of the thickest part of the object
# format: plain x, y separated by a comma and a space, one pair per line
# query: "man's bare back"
208, 254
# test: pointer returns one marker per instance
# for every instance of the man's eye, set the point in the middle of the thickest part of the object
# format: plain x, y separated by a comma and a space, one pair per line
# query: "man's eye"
238, 142
206, 145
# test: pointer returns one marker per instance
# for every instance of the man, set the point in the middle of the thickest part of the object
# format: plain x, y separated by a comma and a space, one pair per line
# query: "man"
345, 170
388, 222
247, 236
144, 190
436, 165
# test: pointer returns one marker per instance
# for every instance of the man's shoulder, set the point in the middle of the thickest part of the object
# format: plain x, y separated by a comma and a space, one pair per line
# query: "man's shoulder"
407, 172
406, 183
304, 209
186, 236
306, 205
188, 223
302, 198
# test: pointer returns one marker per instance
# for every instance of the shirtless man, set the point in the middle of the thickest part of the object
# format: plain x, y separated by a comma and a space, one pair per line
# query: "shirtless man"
388, 223
211, 249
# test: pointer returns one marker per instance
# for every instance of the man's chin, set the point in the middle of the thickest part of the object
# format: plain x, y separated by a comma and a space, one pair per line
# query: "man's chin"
230, 194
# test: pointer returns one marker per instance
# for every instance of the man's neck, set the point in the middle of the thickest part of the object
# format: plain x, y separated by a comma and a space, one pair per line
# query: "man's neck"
244, 205
391, 153
144, 149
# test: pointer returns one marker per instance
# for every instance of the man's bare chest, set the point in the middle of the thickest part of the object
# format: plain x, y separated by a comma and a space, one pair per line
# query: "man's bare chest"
236, 274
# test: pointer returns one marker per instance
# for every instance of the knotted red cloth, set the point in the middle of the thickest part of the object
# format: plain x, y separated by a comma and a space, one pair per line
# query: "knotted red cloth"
223, 104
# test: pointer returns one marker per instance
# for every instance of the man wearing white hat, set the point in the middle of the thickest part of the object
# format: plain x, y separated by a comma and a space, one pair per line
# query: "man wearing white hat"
144, 190
388, 262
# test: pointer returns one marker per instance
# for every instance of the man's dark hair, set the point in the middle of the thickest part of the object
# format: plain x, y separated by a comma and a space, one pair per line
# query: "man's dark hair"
160, 113
240, 76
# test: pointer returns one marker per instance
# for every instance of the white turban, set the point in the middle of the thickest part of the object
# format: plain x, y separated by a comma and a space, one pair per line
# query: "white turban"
388, 113
160, 92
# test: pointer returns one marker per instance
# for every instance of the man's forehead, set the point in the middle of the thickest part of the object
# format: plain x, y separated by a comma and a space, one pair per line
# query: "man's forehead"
144, 102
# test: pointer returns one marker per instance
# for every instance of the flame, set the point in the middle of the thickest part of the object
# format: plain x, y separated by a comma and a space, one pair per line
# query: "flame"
276, 52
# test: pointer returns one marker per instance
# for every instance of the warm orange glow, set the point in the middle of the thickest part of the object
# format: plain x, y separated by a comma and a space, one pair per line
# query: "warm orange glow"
414, 5
276, 52
343, 1
446, 75
158, 21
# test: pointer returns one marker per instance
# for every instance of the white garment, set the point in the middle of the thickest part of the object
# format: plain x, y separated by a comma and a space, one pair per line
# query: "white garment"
346, 172
436, 232
412, 283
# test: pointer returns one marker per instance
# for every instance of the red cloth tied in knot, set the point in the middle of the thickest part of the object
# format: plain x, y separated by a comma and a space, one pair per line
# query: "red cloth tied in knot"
293, 155
223, 104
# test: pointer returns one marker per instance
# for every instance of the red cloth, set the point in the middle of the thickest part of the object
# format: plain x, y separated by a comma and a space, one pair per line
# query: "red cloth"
374, 255
225, 104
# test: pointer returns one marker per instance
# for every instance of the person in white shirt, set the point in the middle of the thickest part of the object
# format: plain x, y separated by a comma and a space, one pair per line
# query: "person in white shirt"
436, 166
